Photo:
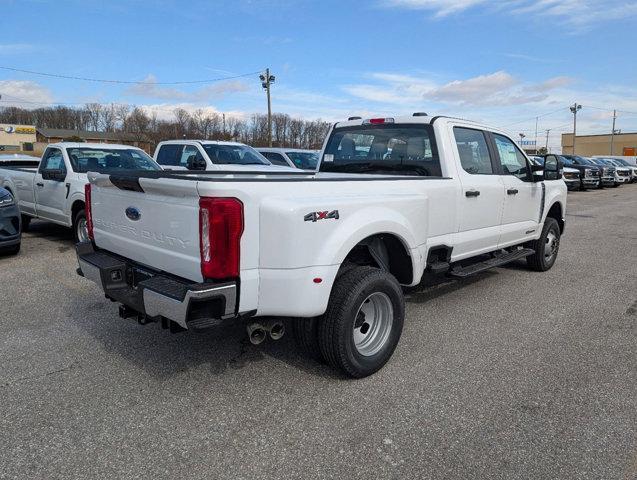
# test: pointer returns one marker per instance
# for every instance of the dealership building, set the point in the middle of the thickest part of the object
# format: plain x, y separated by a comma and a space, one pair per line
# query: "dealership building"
623, 144
16, 138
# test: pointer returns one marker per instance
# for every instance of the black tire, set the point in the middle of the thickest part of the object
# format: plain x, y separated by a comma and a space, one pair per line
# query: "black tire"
305, 332
336, 327
79, 216
12, 250
538, 261
26, 221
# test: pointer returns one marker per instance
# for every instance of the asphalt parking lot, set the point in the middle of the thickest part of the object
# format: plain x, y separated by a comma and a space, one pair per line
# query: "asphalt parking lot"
512, 374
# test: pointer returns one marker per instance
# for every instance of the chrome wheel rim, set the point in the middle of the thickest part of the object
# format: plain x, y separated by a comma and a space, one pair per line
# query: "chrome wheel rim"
82, 230
551, 245
373, 323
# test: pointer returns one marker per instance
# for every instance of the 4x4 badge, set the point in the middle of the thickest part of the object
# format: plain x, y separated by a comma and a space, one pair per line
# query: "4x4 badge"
316, 216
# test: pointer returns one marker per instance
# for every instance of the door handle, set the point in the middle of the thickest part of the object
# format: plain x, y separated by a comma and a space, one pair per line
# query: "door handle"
512, 191
472, 193
40, 184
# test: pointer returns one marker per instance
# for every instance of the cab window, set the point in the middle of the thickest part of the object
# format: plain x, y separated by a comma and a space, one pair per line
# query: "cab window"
190, 151
512, 160
473, 151
53, 160
275, 158
170, 155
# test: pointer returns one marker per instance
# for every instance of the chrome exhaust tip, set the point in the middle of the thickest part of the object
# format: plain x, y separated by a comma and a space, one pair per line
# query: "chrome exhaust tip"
276, 329
256, 333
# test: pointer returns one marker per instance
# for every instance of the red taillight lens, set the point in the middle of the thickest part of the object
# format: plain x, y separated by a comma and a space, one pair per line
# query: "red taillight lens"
378, 121
87, 210
220, 230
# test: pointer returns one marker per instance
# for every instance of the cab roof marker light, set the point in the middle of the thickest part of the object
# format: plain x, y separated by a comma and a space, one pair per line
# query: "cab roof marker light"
378, 121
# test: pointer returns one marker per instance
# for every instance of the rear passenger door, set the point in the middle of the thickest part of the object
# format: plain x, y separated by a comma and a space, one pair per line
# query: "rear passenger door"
481, 199
522, 196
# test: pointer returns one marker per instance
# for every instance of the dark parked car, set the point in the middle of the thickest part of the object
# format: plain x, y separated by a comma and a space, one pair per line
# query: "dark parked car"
10, 223
590, 174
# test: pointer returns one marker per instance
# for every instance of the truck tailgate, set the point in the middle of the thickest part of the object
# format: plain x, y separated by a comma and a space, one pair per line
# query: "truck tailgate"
158, 227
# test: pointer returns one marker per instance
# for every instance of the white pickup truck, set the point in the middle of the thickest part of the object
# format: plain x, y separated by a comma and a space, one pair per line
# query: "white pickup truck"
212, 155
393, 199
53, 190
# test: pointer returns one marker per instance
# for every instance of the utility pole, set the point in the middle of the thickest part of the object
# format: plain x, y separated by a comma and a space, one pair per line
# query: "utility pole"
574, 109
536, 120
266, 81
612, 133
546, 147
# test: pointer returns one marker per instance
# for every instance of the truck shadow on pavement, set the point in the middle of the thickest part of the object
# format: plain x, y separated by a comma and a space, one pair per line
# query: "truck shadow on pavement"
219, 350
162, 355
50, 231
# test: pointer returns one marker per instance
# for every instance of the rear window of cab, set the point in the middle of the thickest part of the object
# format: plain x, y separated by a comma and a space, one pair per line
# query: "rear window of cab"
391, 149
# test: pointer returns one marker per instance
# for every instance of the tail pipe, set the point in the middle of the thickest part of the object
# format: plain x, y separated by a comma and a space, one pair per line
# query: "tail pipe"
256, 333
276, 329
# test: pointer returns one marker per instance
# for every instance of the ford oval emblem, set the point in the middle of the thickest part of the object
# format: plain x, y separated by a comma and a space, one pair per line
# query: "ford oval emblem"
133, 214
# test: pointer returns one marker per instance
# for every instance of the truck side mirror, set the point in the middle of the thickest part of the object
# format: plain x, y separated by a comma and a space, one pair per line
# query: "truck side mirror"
552, 168
538, 172
194, 163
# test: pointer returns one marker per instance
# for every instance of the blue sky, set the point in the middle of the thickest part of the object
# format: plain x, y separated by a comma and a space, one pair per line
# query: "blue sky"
501, 62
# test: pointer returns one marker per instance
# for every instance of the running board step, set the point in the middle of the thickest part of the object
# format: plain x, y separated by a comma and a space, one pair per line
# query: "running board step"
497, 261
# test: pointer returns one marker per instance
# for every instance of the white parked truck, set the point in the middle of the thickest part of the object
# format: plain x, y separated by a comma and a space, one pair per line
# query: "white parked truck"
393, 199
53, 190
211, 155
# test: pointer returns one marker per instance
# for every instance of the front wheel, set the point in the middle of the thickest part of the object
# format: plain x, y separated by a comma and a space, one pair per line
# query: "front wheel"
80, 228
546, 247
363, 322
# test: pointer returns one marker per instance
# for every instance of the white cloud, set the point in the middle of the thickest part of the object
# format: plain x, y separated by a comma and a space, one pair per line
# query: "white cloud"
16, 48
495, 89
151, 89
23, 92
577, 13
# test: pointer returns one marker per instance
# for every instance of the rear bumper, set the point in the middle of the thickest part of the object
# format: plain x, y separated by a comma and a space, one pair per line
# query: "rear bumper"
154, 295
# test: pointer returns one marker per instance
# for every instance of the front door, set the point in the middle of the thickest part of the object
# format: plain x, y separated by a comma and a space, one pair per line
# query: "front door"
481, 201
50, 195
522, 196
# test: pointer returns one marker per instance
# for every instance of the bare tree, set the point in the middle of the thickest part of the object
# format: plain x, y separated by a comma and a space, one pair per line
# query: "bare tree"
94, 111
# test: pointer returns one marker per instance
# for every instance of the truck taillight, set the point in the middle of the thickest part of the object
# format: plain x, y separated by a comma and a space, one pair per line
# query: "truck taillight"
378, 121
87, 210
220, 230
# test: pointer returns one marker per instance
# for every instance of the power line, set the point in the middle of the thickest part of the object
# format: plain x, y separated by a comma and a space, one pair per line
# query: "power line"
127, 82
534, 117
609, 109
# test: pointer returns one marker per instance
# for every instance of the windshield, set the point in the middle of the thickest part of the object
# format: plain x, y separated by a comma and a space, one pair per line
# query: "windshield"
234, 155
304, 160
384, 149
621, 162
100, 159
